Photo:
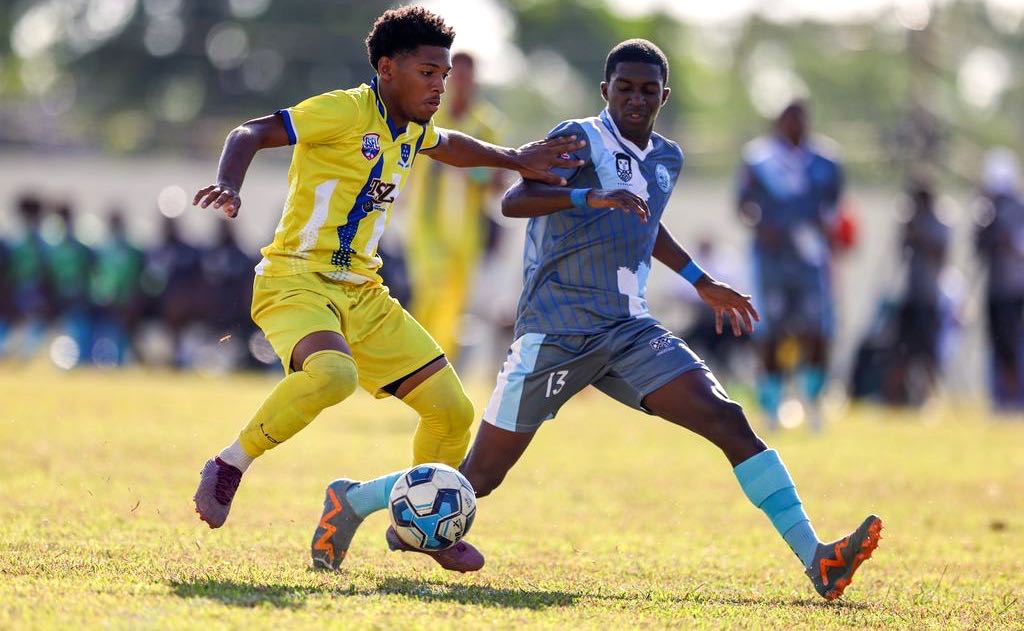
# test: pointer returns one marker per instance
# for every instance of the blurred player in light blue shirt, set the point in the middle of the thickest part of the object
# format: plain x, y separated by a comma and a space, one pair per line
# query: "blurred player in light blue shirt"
789, 188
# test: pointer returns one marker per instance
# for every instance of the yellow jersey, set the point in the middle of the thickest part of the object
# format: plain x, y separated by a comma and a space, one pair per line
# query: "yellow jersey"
349, 165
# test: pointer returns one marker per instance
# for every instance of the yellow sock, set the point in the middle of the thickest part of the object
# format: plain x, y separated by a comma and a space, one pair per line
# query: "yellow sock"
446, 414
326, 378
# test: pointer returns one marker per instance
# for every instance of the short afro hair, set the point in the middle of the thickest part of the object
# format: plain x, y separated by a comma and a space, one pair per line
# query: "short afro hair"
636, 50
403, 30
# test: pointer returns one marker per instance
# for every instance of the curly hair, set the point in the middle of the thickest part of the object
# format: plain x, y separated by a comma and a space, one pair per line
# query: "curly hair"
636, 50
403, 30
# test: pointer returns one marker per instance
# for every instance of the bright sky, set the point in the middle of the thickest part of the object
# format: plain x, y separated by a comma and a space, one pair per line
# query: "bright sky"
485, 27
704, 12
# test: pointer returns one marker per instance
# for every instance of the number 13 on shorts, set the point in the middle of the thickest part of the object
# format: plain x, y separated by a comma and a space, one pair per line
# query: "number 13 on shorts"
556, 381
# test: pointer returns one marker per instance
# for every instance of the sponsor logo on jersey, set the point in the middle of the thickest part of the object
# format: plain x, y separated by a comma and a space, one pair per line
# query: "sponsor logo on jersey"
663, 178
624, 167
371, 146
405, 154
381, 192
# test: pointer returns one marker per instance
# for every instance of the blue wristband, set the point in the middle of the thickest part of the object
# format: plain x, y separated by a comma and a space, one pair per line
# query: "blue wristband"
579, 198
692, 272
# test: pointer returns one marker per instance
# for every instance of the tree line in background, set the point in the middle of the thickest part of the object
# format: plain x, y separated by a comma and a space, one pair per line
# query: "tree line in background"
130, 76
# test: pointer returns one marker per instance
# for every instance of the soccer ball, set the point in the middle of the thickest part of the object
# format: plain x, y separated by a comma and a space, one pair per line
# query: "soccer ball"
432, 506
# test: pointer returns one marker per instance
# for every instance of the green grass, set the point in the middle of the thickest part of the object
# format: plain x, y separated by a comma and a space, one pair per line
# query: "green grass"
611, 520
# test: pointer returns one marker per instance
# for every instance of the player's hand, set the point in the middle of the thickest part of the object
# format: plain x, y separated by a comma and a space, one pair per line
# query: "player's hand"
536, 159
221, 196
727, 301
619, 198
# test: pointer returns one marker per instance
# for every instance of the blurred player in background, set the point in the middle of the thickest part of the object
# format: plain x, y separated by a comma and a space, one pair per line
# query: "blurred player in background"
318, 296
449, 224
1000, 246
926, 242
789, 189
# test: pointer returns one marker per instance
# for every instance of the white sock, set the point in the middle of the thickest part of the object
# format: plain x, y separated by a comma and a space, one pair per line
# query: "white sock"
235, 456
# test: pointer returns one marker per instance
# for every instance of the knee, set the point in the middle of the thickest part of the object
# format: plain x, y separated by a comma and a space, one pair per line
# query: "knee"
484, 481
462, 413
334, 375
444, 404
732, 432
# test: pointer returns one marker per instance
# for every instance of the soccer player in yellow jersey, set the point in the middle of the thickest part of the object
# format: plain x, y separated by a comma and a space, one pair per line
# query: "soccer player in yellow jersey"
447, 227
317, 295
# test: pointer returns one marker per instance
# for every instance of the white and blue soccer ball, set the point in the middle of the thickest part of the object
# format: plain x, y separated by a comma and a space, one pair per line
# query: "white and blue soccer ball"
432, 506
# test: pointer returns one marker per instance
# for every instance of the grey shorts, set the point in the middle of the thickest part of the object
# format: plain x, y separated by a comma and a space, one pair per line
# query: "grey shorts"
792, 298
543, 371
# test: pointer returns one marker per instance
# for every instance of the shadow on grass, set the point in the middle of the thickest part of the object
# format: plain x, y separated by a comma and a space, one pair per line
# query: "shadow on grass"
238, 593
242, 594
512, 598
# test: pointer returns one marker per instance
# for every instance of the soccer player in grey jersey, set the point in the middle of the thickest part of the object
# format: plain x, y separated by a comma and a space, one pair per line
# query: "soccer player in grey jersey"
583, 319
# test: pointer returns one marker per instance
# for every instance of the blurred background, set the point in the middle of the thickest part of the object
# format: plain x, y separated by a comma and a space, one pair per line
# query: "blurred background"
113, 113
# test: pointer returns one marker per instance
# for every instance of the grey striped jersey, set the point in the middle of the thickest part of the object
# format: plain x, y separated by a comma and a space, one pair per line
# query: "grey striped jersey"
584, 271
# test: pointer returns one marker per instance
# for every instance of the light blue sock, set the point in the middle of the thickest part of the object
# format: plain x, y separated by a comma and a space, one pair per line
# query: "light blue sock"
372, 496
768, 486
812, 380
769, 396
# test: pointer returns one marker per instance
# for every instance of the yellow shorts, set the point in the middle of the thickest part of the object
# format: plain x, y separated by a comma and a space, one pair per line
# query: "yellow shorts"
386, 342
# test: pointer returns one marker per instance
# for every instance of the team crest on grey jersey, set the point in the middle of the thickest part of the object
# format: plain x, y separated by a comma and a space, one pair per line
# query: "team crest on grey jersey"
624, 167
663, 178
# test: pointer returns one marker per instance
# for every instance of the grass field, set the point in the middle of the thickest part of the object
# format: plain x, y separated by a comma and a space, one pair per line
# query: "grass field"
612, 519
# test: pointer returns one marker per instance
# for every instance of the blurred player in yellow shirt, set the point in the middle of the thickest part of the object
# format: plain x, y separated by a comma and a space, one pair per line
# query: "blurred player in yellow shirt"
448, 226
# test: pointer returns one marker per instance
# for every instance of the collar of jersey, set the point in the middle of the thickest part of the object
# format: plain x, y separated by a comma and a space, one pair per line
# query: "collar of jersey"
637, 153
396, 131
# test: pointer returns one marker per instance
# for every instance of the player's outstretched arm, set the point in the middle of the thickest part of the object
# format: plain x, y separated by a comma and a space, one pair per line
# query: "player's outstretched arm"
722, 298
533, 161
533, 199
239, 148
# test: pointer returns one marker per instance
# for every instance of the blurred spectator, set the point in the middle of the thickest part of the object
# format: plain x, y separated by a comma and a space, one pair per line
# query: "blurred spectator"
926, 241
1000, 245
172, 282
227, 277
26, 280
7, 311
789, 189
115, 291
68, 264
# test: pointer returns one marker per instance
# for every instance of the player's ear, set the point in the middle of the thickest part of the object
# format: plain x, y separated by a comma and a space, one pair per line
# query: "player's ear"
664, 94
386, 68
604, 90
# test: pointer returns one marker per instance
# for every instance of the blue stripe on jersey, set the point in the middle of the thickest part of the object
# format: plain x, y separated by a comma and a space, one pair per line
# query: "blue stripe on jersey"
289, 128
396, 131
342, 257
419, 143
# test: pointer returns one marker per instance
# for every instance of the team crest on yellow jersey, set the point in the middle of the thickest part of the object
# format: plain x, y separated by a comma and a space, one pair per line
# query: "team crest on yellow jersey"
406, 153
371, 146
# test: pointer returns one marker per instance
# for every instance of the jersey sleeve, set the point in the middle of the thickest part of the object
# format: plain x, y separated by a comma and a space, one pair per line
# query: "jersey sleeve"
432, 136
571, 128
321, 119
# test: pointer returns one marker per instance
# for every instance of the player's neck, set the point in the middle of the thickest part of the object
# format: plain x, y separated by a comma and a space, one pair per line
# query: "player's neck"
390, 104
640, 140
